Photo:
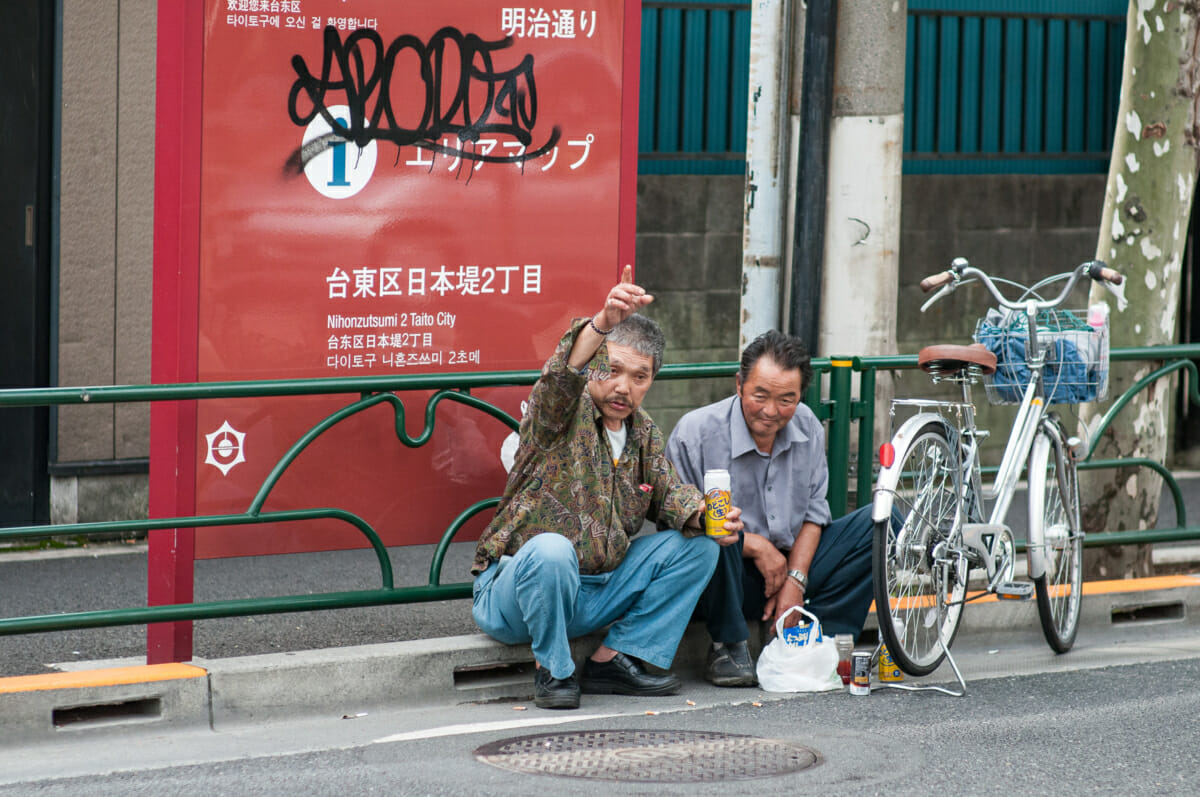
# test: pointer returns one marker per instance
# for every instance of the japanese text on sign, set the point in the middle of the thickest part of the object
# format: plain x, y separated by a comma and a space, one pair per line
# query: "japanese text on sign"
463, 281
537, 23
515, 148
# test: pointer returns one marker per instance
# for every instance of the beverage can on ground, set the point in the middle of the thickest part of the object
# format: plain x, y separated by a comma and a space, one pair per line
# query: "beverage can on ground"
888, 671
717, 502
860, 679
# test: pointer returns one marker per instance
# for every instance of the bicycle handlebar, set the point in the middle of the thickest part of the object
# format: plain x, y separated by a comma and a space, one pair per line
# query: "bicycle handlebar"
936, 280
1098, 271
960, 270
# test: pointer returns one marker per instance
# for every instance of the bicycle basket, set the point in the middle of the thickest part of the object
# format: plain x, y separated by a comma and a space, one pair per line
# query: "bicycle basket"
1076, 351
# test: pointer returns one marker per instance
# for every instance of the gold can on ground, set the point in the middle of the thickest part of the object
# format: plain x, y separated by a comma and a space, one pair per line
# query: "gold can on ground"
717, 502
888, 671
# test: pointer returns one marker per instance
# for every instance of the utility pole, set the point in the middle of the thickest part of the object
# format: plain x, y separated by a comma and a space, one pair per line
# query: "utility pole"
766, 175
862, 227
824, 144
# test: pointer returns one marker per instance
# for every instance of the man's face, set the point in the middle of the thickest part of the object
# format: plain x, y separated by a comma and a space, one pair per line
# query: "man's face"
618, 396
769, 396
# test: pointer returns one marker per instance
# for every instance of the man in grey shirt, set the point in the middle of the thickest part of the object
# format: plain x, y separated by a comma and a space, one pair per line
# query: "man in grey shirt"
791, 554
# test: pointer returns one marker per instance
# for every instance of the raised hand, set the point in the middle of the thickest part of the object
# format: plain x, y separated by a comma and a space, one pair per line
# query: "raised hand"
625, 299
622, 301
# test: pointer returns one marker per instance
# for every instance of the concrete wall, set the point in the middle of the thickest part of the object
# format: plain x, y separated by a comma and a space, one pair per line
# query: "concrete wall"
689, 256
106, 234
1022, 227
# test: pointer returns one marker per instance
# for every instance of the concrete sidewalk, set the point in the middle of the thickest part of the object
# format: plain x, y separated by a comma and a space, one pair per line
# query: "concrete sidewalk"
452, 673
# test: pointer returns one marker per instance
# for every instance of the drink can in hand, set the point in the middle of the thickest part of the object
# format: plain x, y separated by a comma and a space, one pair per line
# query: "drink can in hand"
717, 502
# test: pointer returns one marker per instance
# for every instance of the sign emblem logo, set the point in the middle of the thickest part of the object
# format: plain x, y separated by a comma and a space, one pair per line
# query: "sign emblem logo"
339, 169
225, 448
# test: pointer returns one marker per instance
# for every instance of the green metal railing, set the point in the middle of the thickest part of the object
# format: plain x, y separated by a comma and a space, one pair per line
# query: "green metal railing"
372, 390
840, 409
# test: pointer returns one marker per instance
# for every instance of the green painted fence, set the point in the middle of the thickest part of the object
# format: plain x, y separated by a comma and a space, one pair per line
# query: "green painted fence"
990, 86
1012, 85
694, 87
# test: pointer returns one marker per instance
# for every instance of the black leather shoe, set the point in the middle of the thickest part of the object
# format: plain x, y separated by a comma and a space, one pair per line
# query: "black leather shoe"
731, 665
625, 675
551, 692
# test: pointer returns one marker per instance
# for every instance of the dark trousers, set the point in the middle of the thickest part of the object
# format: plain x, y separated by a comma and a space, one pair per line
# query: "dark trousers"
839, 583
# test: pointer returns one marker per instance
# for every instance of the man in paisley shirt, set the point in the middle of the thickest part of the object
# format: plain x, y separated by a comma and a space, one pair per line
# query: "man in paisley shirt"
560, 560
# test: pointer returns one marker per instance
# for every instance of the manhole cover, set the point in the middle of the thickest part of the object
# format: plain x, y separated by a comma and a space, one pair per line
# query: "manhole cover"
649, 756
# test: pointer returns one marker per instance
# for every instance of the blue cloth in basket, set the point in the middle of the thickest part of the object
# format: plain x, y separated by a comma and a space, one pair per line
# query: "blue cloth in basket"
1065, 374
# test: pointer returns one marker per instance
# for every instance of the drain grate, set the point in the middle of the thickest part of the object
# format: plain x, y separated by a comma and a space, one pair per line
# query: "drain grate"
649, 756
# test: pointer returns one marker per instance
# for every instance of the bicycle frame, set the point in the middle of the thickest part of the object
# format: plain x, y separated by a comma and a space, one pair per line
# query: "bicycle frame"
981, 537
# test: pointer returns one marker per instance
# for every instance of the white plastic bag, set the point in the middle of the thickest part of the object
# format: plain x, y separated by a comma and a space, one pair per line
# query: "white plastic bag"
799, 659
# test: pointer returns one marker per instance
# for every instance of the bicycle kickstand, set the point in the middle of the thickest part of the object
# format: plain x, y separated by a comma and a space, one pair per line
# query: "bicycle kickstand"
929, 687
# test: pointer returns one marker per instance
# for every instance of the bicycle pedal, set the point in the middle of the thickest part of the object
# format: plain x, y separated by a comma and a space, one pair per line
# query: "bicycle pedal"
1014, 591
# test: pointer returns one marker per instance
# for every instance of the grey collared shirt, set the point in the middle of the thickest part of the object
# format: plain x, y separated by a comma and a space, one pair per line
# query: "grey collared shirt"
777, 492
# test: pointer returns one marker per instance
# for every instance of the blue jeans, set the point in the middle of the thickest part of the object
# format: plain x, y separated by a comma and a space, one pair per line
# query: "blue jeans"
539, 596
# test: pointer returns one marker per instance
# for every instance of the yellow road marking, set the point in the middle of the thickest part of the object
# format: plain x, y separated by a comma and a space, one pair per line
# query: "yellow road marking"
107, 677
1113, 587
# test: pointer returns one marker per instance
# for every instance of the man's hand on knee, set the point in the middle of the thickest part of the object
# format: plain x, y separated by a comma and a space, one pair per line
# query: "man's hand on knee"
769, 561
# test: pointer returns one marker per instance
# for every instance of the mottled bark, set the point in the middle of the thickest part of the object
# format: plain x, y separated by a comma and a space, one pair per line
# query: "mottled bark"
1142, 234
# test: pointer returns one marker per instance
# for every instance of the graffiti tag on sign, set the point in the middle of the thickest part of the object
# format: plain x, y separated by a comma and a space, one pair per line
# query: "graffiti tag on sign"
363, 76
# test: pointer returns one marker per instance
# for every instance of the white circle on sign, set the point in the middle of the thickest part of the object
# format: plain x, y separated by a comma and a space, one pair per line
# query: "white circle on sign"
341, 169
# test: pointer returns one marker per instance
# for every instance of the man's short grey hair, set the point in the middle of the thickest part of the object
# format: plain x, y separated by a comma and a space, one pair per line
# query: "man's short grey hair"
643, 336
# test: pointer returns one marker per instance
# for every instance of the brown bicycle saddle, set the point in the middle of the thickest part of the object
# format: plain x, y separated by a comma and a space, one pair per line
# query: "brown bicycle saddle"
947, 357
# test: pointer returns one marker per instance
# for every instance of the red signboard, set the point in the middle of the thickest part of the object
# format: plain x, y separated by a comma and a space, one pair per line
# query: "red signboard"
367, 187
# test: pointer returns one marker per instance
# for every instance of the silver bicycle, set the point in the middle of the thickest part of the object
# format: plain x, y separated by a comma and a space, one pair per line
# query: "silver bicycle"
933, 526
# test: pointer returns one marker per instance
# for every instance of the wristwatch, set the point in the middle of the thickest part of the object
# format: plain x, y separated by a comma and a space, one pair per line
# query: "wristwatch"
800, 577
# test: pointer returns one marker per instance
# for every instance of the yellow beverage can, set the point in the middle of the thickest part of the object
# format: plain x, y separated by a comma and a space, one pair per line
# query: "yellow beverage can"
888, 671
717, 502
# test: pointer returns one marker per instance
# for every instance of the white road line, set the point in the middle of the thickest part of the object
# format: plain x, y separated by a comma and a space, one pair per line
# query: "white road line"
485, 727
92, 551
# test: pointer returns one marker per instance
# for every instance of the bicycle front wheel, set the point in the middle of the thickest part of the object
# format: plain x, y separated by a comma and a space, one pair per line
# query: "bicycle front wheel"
1055, 538
918, 586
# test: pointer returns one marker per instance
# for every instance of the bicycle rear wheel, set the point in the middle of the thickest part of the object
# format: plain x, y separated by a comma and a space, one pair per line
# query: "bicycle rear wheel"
1055, 538
918, 594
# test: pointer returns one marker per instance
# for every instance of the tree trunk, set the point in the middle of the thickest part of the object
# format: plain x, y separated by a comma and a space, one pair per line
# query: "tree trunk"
1143, 231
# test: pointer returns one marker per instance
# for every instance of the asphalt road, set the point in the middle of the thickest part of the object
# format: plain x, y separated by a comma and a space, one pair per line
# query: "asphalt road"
1116, 730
